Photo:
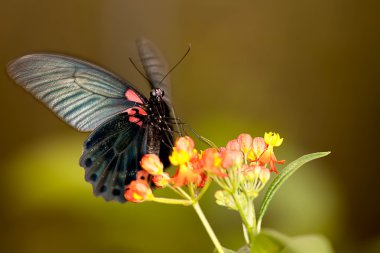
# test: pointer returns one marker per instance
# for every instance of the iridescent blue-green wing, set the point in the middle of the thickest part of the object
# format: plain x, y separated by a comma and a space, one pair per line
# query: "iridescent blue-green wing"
82, 94
111, 156
155, 67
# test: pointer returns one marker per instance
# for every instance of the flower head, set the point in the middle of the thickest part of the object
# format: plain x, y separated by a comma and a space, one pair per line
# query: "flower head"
183, 151
268, 157
210, 161
185, 175
273, 139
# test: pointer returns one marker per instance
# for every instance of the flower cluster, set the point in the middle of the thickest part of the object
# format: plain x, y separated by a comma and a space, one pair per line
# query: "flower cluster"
248, 162
243, 165
241, 169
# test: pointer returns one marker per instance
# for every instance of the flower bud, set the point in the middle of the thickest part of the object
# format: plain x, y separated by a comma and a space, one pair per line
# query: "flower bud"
185, 144
161, 180
138, 191
152, 164
245, 142
264, 175
258, 146
248, 173
224, 199
231, 158
233, 145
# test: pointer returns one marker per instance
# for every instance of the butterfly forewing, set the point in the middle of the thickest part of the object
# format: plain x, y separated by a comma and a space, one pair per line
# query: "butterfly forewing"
155, 67
80, 93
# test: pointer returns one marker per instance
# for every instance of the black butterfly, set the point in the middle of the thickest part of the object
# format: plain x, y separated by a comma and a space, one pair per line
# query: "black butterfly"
125, 124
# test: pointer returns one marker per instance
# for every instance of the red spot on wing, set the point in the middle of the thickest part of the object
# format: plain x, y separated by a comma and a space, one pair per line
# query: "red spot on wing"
135, 111
132, 96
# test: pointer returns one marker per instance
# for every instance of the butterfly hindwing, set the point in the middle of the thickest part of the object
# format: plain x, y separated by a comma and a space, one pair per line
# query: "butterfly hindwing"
82, 94
111, 156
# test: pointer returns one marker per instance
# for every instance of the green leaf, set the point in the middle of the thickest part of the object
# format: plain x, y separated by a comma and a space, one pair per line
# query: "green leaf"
309, 244
282, 177
299, 244
264, 243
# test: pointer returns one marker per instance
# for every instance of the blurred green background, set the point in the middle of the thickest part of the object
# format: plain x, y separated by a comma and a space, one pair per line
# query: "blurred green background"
306, 69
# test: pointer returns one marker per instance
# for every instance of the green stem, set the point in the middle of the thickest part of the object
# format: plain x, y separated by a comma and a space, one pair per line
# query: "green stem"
180, 192
208, 228
204, 189
244, 219
173, 201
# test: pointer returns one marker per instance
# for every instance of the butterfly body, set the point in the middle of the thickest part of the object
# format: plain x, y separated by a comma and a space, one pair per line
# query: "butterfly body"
110, 158
125, 124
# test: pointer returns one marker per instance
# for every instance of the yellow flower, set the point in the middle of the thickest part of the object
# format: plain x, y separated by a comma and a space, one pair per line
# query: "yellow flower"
273, 139
179, 157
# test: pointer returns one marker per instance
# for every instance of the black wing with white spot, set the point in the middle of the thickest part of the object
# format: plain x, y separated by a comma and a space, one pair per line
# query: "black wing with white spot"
111, 156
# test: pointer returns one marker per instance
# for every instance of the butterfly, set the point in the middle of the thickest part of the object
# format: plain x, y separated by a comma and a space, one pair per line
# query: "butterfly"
125, 124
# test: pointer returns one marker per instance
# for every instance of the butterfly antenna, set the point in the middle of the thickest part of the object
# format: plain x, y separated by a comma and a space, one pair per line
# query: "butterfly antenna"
204, 139
138, 70
182, 58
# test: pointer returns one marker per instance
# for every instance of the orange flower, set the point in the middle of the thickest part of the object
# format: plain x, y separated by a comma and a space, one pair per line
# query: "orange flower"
138, 191
268, 157
211, 162
183, 151
185, 175
152, 164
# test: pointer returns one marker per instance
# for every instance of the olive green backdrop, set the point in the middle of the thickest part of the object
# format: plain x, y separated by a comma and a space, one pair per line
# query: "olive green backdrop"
306, 69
